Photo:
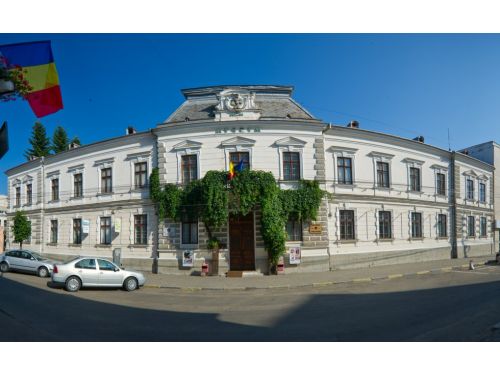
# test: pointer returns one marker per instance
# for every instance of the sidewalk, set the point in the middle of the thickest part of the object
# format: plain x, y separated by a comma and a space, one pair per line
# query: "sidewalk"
297, 280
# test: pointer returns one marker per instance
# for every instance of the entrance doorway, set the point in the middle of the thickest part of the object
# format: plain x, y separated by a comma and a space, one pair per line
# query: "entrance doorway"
241, 243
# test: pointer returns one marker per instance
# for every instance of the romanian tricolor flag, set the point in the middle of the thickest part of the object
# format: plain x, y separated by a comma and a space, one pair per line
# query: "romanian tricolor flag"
40, 74
231, 170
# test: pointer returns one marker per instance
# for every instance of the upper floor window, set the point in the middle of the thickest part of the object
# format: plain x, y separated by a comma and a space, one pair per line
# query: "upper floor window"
106, 181
291, 166
384, 224
441, 184
482, 192
344, 170
382, 174
53, 231
140, 174
140, 229
347, 225
78, 185
240, 157
470, 189
189, 167
471, 226
29, 194
294, 230
416, 225
55, 189
442, 226
18, 196
414, 179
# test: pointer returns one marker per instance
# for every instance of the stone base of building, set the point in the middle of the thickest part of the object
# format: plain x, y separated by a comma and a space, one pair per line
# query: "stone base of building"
469, 251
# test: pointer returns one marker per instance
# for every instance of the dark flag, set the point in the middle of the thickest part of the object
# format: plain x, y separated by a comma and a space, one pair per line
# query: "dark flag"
4, 140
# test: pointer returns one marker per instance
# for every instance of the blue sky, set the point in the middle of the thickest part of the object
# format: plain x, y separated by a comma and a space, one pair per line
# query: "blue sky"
407, 85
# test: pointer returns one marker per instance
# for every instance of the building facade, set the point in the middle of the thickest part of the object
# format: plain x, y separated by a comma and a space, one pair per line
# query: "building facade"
393, 200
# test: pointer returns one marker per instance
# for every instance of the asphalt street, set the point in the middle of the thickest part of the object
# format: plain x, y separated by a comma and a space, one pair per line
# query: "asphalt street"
448, 306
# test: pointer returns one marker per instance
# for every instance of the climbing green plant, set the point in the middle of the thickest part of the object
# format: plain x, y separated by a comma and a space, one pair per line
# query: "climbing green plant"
212, 198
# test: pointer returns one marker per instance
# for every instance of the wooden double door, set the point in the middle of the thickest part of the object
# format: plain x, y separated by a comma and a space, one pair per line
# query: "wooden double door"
241, 242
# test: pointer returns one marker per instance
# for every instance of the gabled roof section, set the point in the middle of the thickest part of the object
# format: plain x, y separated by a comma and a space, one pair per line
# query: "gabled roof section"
270, 101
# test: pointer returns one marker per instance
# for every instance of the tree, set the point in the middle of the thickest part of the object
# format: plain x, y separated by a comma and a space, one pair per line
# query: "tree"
60, 140
76, 140
39, 141
22, 228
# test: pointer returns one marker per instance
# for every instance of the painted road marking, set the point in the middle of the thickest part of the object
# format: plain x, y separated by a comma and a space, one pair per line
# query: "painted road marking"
423, 272
394, 276
472, 272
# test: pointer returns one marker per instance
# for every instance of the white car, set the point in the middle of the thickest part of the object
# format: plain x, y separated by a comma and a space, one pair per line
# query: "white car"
95, 272
26, 261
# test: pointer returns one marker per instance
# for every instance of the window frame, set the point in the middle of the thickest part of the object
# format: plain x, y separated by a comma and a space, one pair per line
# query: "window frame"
54, 188
143, 229
29, 194
441, 226
105, 179
471, 226
383, 174
416, 231
344, 168
78, 185
387, 224
440, 190
77, 231
415, 180
192, 224
105, 225
54, 231
296, 230
246, 164
194, 157
469, 189
18, 196
483, 232
290, 164
347, 224
482, 192
141, 174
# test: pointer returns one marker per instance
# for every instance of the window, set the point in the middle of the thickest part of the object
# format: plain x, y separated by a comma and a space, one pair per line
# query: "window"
104, 265
294, 230
482, 192
78, 185
471, 226
140, 225
88, 264
140, 174
416, 225
384, 225
29, 194
344, 168
441, 226
189, 232
382, 174
105, 230
291, 166
414, 179
237, 157
470, 189
483, 227
189, 168
53, 231
55, 189
18, 196
441, 184
106, 182
77, 231
347, 225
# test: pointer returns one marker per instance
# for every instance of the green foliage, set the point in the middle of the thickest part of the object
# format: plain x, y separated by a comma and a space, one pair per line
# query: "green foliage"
22, 228
212, 198
76, 140
60, 140
39, 142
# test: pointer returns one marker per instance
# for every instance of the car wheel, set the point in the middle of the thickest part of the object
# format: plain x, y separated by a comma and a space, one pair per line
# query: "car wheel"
43, 272
4, 267
73, 284
130, 284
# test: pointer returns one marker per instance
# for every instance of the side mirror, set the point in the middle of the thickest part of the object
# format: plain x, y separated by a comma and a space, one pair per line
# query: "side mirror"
116, 269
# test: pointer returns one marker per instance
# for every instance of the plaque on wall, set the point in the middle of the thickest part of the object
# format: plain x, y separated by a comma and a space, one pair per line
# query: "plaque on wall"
315, 228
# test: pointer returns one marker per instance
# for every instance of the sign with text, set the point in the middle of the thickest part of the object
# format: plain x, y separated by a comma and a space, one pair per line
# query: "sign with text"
315, 228
294, 255
118, 225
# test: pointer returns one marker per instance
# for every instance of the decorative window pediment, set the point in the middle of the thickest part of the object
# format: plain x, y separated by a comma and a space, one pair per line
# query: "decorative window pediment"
342, 150
27, 178
238, 141
104, 162
471, 173
482, 177
439, 167
413, 161
380, 155
76, 168
290, 141
186, 145
53, 174
138, 156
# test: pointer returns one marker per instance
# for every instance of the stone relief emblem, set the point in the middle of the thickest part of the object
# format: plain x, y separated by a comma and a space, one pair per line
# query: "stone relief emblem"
234, 105
235, 102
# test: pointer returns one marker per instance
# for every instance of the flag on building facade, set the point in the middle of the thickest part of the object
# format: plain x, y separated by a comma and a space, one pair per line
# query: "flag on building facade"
37, 62
231, 170
240, 166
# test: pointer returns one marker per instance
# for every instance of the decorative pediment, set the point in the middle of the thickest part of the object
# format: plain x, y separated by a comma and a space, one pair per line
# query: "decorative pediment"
139, 156
440, 167
27, 178
413, 161
187, 144
101, 162
471, 173
342, 150
483, 177
380, 155
238, 141
75, 168
52, 174
290, 141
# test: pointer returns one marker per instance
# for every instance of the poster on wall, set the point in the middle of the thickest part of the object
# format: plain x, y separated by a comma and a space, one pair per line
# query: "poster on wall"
118, 225
188, 258
85, 226
295, 255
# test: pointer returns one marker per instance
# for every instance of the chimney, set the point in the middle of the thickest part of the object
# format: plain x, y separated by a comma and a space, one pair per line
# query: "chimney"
130, 130
420, 139
73, 145
465, 152
353, 124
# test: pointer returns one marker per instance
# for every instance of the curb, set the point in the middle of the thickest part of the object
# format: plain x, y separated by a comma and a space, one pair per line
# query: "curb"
318, 284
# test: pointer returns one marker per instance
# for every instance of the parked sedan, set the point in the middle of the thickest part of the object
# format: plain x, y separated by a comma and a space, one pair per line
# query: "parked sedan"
27, 261
95, 272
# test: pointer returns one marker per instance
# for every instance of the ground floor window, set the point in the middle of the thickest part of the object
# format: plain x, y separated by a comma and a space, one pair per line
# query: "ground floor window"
384, 225
441, 226
294, 230
471, 223
53, 231
77, 231
140, 225
483, 227
105, 230
189, 232
347, 225
416, 225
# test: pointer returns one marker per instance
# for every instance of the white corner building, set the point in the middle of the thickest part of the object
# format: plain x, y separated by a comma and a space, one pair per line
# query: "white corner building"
393, 200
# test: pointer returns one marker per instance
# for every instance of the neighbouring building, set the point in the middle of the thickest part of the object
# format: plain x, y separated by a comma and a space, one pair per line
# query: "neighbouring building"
393, 200
3, 222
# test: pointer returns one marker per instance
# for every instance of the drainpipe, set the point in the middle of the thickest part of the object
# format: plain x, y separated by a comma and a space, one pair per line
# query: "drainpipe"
454, 244
42, 209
